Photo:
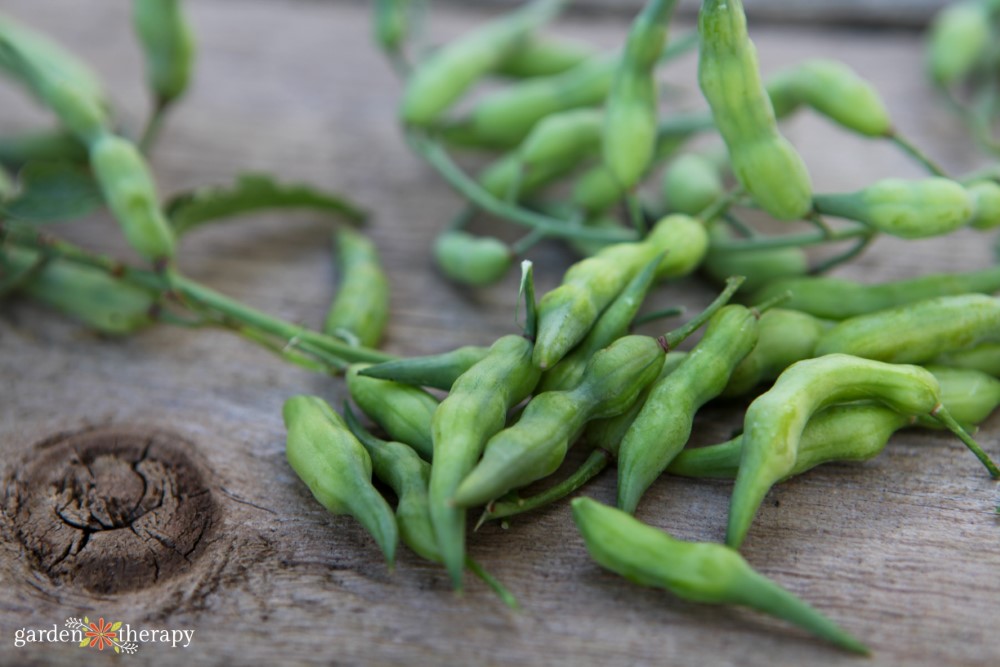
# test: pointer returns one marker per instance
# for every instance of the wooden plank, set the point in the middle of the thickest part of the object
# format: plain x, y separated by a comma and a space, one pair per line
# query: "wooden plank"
901, 551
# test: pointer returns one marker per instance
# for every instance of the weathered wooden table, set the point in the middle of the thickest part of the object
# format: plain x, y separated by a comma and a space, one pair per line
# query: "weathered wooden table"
902, 551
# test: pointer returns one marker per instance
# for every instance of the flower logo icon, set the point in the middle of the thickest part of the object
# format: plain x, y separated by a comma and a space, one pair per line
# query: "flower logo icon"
101, 634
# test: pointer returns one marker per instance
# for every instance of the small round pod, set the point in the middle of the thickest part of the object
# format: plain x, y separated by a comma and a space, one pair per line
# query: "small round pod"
168, 40
691, 184
472, 260
985, 204
909, 209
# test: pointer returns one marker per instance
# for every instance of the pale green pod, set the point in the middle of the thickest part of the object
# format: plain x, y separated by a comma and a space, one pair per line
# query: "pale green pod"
128, 188
567, 136
168, 42
335, 466
361, 306
90, 295
763, 161
544, 56
691, 184
959, 39
904, 208
916, 332
984, 357
760, 266
697, 571
404, 411
447, 73
834, 90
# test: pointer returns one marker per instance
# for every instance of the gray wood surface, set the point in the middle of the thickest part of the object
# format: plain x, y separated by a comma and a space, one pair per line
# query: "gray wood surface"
902, 551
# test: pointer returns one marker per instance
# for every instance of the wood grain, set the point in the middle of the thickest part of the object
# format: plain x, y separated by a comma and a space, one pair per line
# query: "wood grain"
902, 551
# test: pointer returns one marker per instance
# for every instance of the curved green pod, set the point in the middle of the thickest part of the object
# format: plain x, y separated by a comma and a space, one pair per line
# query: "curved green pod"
663, 426
472, 413
775, 420
446, 74
784, 337
506, 178
969, 395
916, 332
834, 90
99, 300
168, 42
567, 313
405, 412
335, 466
904, 208
984, 357
361, 306
504, 118
472, 260
958, 39
697, 571
391, 23
46, 146
629, 135
763, 161
537, 443
839, 298
541, 55
128, 188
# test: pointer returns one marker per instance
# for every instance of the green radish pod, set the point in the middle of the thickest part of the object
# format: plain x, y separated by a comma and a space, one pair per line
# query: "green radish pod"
130, 192
697, 571
335, 466
985, 204
691, 184
760, 267
910, 209
435, 84
959, 39
361, 307
438, 371
168, 42
834, 90
763, 161
472, 260
916, 332
405, 412
544, 56
839, 298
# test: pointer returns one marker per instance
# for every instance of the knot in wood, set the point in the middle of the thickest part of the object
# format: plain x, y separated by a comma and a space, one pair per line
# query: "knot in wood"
111, 509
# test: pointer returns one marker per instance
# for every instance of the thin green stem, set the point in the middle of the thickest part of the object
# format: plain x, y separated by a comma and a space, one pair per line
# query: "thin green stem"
153, 126
943, 416
849, 254
527, 242
743, 228
506, 596
722, 204
635, 213
793, 240
674, 311
674, 338
679, 46
917, 154
435, 155
527, 291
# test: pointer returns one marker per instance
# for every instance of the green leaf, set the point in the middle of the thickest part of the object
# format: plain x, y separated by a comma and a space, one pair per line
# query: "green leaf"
85, 643
52, 191
115, 627
250, 194
86, 621
117, 650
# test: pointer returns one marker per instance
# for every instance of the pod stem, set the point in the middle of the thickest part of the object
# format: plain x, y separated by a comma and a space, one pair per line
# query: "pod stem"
942, 415
153, 125
673, 311
859, 247
722, 204
743, 228
678, 47
594, 464
635, 213
773, 302
912, 150
671, 340
506, 596
792, 240
436, 156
